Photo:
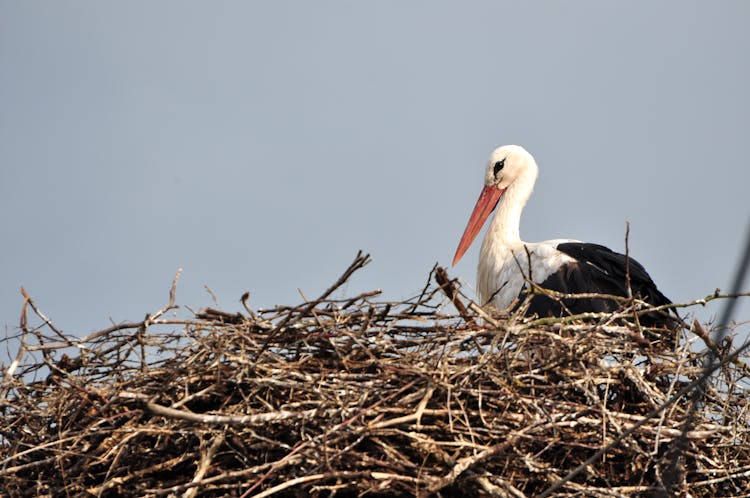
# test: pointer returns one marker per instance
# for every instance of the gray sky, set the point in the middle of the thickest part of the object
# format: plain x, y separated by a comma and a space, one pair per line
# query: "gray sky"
258, 145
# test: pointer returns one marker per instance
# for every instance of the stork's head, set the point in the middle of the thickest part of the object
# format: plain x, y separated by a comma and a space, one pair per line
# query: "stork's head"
509, 165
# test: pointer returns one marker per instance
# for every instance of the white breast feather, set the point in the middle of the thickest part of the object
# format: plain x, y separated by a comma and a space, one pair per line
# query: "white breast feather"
502, 277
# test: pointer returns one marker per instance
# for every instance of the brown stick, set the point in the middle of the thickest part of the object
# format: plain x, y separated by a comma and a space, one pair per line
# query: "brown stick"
449, 288
360, 260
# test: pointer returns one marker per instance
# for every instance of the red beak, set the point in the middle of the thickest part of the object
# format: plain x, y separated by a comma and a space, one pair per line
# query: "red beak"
486, 203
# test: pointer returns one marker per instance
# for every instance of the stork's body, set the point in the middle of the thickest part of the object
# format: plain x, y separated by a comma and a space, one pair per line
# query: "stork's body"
506, 263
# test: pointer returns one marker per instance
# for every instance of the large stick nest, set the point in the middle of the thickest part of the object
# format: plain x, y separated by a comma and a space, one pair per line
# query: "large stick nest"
359, 397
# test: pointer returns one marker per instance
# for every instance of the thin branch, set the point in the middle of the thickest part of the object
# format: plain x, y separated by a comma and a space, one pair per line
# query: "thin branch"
206, 459
235, 420
449, 288
360, 260
708, 371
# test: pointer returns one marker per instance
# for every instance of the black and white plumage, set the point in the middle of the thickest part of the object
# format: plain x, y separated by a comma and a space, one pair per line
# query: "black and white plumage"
506, 263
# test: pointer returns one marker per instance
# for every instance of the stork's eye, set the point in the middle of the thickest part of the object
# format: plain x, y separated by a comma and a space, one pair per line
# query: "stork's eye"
498, 166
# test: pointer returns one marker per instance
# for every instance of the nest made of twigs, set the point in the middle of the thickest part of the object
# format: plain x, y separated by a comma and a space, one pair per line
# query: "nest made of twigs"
354, 397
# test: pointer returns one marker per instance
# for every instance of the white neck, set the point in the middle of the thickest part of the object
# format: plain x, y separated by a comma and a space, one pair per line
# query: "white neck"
501, 240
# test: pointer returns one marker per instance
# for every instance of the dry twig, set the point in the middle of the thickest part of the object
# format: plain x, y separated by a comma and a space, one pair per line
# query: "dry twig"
356, 396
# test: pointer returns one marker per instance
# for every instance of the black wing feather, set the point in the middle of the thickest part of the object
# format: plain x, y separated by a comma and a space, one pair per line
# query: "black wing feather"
602, 271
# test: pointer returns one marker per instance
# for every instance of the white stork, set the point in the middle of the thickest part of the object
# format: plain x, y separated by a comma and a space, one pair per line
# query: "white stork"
506, 263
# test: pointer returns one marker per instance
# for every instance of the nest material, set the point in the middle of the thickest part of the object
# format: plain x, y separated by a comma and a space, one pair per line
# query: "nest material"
357, 397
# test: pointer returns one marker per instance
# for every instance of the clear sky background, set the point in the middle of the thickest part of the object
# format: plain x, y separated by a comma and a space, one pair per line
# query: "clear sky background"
258, 145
